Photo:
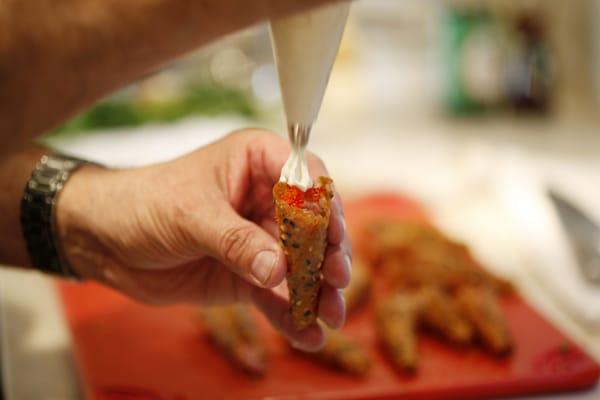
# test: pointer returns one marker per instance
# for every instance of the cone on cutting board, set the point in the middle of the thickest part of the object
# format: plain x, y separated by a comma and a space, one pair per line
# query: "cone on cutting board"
303, 219
233, 330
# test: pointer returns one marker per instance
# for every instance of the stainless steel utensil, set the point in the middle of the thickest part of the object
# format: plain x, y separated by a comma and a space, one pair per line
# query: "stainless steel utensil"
583, 234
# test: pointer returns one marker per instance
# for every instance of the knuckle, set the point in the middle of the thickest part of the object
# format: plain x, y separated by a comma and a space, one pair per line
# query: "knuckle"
234, 243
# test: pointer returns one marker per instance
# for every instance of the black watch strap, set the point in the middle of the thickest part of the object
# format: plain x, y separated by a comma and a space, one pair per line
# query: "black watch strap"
37, 212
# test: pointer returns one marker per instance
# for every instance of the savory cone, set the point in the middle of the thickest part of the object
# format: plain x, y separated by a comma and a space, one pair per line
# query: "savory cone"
396, 321
303, 219
234, 331
343, 354
480, 306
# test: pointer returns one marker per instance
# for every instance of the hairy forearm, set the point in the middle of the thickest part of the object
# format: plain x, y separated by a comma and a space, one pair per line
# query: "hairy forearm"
15, 170
57, 57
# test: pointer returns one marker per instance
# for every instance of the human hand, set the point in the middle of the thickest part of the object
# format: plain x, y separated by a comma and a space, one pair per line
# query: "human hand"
199, 229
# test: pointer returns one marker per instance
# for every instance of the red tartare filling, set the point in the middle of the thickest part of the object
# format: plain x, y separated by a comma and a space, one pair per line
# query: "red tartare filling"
297, 198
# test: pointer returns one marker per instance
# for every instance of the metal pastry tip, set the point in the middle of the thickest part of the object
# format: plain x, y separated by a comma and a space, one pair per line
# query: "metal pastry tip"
299, 134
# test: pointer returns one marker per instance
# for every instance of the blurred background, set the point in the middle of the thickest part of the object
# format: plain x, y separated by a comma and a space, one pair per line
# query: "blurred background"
412, 78
413, 62
475, 108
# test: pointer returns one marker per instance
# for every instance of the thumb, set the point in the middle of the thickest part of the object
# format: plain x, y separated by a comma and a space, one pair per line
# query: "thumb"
245, 248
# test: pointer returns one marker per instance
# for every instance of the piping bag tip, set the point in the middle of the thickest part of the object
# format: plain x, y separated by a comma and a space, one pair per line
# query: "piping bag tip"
295, 170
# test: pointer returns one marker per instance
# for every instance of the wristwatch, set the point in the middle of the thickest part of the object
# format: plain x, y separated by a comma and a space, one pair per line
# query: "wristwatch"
38, 219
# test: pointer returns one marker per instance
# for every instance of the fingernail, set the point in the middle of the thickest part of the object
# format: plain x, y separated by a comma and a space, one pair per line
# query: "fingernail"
304, 347
297, 345
342, 299
262, 266
348, 262
341, 206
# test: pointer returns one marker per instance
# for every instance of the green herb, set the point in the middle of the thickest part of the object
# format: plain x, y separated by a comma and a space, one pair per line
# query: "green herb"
116, 112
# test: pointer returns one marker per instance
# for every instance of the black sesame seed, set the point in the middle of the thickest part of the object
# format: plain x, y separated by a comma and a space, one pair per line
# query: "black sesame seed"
307, 313
307, 262
295, 245
293, 224
285, 220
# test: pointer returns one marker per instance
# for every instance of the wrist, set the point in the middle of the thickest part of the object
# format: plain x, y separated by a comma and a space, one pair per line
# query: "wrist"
38, 212
76, 229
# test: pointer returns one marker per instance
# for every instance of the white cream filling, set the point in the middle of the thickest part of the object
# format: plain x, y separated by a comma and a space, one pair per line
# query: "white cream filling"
295, 169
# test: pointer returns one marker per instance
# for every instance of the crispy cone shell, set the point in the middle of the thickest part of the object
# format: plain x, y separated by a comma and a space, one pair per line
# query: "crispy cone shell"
303, 236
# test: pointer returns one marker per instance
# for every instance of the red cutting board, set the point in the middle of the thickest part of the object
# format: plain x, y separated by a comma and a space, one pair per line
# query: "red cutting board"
127, 351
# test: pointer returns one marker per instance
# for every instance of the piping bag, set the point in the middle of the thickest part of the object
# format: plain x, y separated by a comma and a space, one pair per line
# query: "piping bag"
305, 47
